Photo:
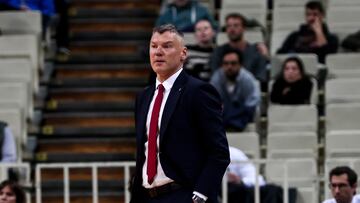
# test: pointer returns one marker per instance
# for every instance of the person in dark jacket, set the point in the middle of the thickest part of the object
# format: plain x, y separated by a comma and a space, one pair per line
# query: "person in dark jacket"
292, 86
352, 42
313, 36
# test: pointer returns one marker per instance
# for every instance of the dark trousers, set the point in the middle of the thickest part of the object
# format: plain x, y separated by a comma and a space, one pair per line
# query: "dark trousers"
182, 195
268, 194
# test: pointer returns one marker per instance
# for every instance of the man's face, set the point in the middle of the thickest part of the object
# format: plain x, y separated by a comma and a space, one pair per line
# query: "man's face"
341, 190
311, 15
234, 29
203, 32
167, 53
231, 66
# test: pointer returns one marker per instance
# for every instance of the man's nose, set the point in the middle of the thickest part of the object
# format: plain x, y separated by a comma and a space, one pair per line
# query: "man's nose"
159, 51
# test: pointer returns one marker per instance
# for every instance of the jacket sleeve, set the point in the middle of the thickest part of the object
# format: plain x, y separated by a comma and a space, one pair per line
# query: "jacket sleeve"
288, 44
207, 105
352, 42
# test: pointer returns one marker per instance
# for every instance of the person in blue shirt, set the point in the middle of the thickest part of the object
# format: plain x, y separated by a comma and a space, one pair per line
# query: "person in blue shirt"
238, 89
184, 14
7, 143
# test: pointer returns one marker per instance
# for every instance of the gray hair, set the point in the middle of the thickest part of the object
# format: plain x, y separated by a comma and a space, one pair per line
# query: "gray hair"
169, 28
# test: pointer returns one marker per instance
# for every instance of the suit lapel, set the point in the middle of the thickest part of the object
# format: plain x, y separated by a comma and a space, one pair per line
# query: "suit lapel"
171, 101
145, 104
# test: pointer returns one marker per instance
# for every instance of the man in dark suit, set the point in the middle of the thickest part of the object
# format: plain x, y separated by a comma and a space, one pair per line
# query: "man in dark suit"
182, 151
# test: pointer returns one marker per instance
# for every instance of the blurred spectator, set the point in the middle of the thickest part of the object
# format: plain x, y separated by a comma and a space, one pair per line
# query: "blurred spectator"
292, 85
7, 141
62, 28
11, 192
184, 14
46, 7
240, 171
313, 36
352, 42
197, 62
254, 55
9, 5
343, 184
238, 89
241, 181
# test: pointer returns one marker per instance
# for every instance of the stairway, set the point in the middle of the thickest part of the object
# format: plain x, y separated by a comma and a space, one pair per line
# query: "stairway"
87, 115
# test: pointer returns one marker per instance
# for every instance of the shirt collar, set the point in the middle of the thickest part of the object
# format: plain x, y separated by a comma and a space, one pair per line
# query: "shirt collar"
168, 83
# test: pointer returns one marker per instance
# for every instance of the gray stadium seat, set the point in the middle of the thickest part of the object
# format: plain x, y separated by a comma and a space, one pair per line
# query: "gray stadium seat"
248, 142
344, 65
290, 118
20, 46
341, 117
342, 90
292, 145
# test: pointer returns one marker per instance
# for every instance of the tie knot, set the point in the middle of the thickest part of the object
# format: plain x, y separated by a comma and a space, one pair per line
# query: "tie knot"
161, 88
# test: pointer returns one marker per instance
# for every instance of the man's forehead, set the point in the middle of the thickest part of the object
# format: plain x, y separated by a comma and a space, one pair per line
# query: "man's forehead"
341, 177
166, 37
308, 10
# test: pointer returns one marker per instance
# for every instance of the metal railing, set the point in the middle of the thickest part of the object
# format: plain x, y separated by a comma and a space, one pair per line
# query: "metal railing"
127, 165
94, 171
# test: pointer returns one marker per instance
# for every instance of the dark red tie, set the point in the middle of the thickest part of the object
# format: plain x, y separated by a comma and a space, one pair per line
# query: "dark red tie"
153, 131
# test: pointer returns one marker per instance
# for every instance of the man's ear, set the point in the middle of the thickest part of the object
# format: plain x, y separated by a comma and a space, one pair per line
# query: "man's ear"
183, 54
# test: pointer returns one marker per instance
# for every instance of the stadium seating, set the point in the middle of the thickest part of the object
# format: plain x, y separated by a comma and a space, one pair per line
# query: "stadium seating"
292, 118
342, 90
344, 65
292, 145
300, 173
20, 46
248, 142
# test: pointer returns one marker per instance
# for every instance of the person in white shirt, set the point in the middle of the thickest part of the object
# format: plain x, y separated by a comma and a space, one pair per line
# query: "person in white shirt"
343, 184
242, 171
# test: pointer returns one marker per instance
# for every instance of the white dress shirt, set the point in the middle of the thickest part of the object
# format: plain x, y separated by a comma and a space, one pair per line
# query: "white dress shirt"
160, 177
245, 170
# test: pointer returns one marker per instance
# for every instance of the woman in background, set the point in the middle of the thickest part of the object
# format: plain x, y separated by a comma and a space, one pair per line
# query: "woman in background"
11, 192
293, 85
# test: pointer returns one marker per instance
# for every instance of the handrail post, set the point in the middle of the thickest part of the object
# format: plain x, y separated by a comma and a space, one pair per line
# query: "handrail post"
38, 184
66, 185
95, 188
126, 184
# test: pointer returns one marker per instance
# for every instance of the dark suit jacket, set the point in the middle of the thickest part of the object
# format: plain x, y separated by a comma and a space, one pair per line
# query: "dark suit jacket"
193, 147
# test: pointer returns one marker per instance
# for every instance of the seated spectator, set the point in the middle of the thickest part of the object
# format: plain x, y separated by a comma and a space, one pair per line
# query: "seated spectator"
343, 184
238, 89
197, 62
352, 42
11, 192
7, 141
241, 178
313, 36
292, 85
242, 172
254, 55
184, 14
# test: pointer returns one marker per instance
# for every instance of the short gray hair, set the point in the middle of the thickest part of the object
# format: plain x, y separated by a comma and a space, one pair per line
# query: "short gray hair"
168, 28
